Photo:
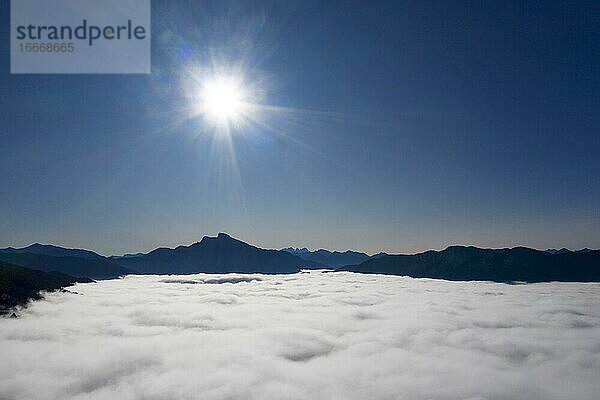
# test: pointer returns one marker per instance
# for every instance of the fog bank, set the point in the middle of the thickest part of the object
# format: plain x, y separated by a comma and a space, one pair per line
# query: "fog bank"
309, 335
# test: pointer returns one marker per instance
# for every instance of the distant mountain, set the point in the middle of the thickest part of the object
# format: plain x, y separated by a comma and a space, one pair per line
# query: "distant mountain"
101, 268
223, 254
50, 250
332, 259
565, 250
499, 265
379, 255
219, 254
126, 256
559, 251
297, 250
18, 285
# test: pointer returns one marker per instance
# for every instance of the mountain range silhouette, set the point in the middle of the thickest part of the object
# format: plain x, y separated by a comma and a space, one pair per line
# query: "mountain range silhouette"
225, 254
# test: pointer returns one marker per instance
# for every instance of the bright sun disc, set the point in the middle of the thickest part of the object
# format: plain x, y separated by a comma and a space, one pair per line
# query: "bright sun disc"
222, 100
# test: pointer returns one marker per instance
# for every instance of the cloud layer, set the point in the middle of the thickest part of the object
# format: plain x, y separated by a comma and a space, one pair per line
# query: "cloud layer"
304, 336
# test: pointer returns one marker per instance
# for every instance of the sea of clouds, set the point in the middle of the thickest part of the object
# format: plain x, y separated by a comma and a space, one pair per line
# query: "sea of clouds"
311, 335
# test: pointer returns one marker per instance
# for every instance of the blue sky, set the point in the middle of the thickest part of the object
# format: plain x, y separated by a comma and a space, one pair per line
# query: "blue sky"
407, 126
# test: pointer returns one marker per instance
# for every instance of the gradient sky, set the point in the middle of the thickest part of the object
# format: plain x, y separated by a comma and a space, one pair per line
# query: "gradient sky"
408, 126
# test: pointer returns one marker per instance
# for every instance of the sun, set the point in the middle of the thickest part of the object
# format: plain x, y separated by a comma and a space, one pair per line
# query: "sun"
223, 100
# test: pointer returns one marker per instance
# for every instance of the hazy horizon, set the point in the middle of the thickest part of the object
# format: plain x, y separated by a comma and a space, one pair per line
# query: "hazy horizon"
172, 246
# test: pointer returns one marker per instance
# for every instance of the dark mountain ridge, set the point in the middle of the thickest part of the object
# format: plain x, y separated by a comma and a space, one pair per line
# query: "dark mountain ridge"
220, 254
18, 284
224, 254
332, 259
56, 251
101, 268
518, 264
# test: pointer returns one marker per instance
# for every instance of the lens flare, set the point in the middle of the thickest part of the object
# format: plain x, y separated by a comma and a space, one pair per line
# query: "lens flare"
222, 100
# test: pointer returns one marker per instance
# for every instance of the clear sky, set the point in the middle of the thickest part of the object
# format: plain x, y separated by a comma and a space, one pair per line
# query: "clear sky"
387, 126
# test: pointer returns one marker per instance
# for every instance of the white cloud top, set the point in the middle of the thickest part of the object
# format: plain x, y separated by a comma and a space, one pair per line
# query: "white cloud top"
305, 336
